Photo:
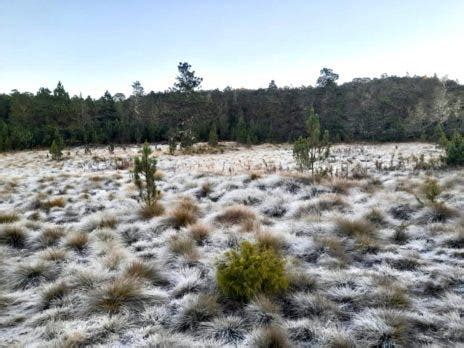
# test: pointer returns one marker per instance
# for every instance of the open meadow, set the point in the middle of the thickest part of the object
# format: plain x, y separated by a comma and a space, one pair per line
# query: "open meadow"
373, 248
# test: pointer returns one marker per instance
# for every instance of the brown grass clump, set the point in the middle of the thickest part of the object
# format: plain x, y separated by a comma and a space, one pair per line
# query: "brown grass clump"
144, 271
255, 176
8, 218
238, 215
148, 211
13, 236
199, 232
184, 246
341, 186
354, 228
271, 336
32, 274
108, 222
440, 212
58, 202
117, 294
51, 236
268, 240
77, 241
53, 254
185, 213
54, 292
376, 217
159, 175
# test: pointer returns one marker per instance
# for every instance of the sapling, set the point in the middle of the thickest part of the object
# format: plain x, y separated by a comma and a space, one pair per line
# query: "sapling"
144, 176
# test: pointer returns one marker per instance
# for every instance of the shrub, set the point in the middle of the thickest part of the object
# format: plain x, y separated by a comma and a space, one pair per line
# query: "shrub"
13, 236
431, 189
455, 150
56, 150
8, 218
213, 137
144, 176
251, 271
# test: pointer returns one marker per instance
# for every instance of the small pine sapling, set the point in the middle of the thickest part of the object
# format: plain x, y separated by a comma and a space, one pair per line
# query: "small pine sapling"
213, 136
55, 150
144, 176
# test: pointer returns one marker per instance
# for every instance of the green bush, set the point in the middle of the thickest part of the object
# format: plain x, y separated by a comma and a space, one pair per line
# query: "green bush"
250, 271
431, 189
455, 150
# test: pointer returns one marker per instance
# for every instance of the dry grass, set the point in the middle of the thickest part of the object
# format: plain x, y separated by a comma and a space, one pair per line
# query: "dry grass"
185, 213
117, 294
13, 236
299, 280
148, 211
271, 336
144, 271
376, 217
108, 222
184, 246
354, 228
334, 247
199, 232
53, 254
196, 310
77, 241
270, 240
58, 202
340, 185
8, 218
238, 215
440, 212
54, 292
50, 236
32, 274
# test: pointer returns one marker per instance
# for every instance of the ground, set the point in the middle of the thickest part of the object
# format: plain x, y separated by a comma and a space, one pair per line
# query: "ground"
371, 260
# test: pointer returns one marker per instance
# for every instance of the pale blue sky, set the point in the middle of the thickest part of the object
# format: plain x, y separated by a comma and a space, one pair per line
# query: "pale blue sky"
96, 45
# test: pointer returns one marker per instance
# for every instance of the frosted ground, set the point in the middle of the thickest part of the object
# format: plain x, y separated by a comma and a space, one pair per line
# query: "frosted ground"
75, 233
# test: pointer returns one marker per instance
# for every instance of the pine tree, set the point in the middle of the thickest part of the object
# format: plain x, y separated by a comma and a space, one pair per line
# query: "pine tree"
144, 176
55, 150
213, 137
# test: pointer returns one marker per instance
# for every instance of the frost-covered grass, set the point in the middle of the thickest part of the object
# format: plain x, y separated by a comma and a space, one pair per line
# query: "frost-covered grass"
371, 260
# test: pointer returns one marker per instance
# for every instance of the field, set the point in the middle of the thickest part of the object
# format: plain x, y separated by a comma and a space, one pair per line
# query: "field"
373, 258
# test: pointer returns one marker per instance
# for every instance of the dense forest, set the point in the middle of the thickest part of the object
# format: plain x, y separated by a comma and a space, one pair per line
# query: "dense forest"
389, 108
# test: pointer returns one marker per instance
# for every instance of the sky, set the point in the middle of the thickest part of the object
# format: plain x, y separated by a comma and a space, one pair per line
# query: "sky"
98, 45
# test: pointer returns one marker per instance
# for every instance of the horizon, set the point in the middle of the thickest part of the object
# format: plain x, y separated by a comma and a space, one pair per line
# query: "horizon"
241, 45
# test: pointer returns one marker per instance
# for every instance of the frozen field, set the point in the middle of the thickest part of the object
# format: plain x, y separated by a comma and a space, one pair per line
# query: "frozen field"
71, 233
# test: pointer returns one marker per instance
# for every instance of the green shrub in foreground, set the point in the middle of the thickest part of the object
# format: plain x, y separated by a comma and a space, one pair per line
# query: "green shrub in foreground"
250, 271
455, 150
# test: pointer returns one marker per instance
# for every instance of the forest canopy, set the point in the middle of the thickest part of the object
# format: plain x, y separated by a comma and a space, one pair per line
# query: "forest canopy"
389, 108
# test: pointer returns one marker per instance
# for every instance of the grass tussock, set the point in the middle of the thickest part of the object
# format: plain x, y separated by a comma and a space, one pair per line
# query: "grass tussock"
354, 228
54, 292
199, 232
108, 222
144, 271
238, 215
440, 212
117, 294
50, 236
148, 211
272, 336
262, 311
58, 202
77, 241
185, 213
196, 309
268, 240
376, 217
185, 246
32, 274
299, 280
8, 218
13, 236
54, 254
341, 186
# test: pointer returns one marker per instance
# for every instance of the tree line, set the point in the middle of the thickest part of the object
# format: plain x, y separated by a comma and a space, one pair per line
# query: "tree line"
388, 108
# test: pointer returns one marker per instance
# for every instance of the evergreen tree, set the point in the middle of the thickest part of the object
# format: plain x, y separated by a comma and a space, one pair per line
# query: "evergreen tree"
144, 176
213, 137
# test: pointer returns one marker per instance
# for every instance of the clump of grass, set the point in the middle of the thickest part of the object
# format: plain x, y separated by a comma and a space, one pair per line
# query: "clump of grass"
303, 304
228, 330
255, 176
53, 254
196, 309
77, 241
354, 228
144, 271
237, 215
440, 212
117, 294
58, 202
199, 232
205, 189
392, 296
148, 211
108, 222
114, 258
27, 275
13, 236
159, 175
8, 218
184, 246
50, 236
54, 292
185, 213
334, 247
299, 280
400, 235
341, 186
271, 336
262, 311
268, 240
376, 217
